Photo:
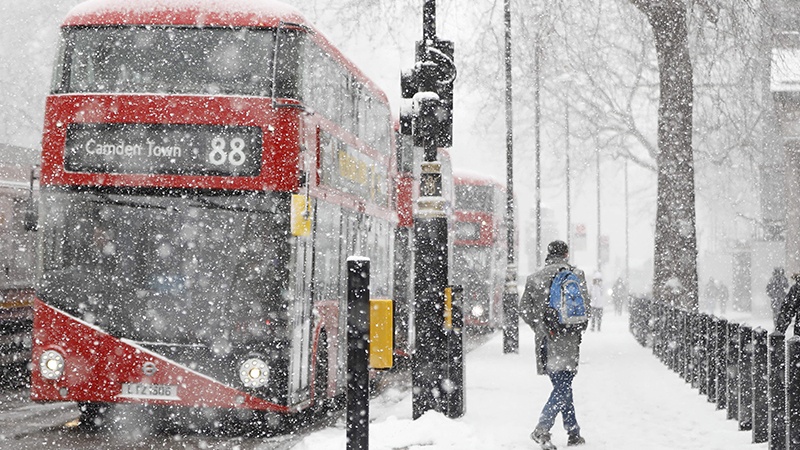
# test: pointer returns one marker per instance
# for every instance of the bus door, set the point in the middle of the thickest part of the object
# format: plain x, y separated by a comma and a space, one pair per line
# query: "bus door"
302, 269
350, 246
353, 241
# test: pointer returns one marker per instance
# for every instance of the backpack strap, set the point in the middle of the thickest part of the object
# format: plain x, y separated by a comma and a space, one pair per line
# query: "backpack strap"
565, 266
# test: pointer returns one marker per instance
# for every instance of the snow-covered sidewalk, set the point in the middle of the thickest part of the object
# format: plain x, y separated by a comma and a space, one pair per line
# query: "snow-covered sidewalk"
624, 399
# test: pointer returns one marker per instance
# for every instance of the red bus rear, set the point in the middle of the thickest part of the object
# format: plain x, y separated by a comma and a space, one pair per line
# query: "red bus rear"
479, 248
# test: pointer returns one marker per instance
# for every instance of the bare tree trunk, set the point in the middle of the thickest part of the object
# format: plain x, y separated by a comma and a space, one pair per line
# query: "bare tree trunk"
675, 271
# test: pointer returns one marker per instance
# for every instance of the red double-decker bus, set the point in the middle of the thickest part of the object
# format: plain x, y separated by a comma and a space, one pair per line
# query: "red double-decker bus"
479, 248
207, 168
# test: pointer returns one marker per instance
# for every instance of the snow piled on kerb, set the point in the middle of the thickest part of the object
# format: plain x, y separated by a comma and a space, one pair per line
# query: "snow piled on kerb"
432, 430
202, 7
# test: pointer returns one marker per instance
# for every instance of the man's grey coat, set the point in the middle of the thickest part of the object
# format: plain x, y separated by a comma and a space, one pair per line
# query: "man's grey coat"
559, 352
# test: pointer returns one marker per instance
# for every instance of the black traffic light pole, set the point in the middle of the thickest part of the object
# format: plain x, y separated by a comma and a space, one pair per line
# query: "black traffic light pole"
430, 84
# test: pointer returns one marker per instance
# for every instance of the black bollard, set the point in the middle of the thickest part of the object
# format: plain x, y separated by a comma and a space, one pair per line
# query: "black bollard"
686, 346
666, 336
658, 330
648, 321
510, 319
357, 353
777, 392
711, 351
702, 355
664, 330
680, 337
694, 332
680, 343
632, 319
733, 371
722, 363
674, 339
677, 340
635, 316
760, 386
793, 392
745, 379
654, 325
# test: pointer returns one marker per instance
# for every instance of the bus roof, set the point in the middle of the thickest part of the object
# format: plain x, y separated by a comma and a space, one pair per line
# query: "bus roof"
462, 177
209, 13
239, 13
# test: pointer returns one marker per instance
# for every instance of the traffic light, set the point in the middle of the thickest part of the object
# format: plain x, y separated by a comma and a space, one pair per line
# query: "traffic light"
434, 71
441, 53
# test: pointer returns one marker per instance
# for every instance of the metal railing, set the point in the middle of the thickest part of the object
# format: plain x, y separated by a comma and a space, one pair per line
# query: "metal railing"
753, 375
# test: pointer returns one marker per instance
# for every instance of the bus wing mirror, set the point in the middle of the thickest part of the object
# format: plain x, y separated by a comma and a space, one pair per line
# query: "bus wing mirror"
31, 218
31, 213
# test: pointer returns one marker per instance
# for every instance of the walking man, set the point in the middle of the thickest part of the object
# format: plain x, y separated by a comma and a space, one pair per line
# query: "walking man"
557, 349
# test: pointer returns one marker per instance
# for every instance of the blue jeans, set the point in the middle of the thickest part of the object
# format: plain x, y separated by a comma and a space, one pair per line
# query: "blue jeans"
560, 401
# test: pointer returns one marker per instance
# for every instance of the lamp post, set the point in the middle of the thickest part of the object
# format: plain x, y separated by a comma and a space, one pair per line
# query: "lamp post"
567, 169
599, 235
510, 298
537, 125
627, 229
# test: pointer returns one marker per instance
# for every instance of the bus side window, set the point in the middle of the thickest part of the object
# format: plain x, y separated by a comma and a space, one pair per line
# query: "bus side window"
287, 69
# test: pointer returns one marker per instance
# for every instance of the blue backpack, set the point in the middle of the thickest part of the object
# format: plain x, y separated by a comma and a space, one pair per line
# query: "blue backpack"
567, 300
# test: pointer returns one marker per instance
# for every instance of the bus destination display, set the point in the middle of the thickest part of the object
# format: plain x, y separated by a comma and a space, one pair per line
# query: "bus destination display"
170, 149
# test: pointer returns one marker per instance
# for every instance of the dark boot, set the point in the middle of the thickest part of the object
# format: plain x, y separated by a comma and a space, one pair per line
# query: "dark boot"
542, 437
575, 439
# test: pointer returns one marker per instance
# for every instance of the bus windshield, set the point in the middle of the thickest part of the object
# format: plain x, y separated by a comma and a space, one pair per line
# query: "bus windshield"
177, 270
176, 60
474, 198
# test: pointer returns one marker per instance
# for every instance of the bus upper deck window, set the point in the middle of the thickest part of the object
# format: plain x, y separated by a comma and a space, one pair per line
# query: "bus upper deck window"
174, 60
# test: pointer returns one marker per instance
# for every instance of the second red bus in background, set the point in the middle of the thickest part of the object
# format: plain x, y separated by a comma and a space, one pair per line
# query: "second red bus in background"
479, 248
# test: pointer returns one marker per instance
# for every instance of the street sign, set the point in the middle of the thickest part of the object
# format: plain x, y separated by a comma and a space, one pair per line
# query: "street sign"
604, 249
578, 238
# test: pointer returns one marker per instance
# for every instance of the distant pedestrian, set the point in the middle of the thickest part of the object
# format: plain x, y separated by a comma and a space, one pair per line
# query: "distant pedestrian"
776, 290
598, 302
709, 299
619, 295
790, 309
722, 296
557, 349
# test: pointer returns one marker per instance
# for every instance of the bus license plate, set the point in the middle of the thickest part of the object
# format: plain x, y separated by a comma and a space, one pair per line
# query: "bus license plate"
155, 391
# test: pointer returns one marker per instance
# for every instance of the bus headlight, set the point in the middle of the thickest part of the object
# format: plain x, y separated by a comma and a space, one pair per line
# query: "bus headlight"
477, 311
51, 365
254, 373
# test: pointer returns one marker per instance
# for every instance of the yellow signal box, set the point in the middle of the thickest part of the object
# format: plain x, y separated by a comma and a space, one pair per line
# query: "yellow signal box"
300, 215
381, 333
448, 308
